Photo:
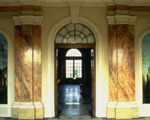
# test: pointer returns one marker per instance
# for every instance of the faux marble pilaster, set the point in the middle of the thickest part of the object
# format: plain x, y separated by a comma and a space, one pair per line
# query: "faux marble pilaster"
28, 63
122, 40
121, 63
23, 63
27, 83
126, 69
131, 65
18, 63
37, 63
113, 63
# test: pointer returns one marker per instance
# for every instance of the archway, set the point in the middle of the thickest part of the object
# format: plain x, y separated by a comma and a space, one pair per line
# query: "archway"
48, 96
75, 72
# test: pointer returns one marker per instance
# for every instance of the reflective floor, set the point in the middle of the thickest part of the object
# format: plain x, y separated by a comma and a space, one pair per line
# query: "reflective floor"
71, 102
73, 106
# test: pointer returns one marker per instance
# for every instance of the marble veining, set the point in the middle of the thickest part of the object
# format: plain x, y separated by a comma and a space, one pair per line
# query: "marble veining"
18, 68
113, 66
28, 63
37, 63
122, 40
121, 63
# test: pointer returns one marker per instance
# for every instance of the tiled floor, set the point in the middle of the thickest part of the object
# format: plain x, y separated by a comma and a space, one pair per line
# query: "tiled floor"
71, 102
73, 106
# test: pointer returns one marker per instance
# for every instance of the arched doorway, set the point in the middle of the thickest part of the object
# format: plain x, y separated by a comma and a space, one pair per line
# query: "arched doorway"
82, 39
48, 93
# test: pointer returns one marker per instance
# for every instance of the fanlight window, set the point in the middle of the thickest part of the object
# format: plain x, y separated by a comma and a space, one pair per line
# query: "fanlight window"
74, 64
74, 33
73, 53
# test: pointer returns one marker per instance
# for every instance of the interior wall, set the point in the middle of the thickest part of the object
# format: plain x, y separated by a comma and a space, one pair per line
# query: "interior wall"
96, 14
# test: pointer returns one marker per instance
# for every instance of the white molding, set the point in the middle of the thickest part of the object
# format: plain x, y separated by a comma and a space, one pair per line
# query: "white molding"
74, 10
75, 2
139, 91
125, 19
111, 20
116, 2
26, 2
110, 2
81, 2
123, 1
121, 19
48, 84
35, 20
5, 109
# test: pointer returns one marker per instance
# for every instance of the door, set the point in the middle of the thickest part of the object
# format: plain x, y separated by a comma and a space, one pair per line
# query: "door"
55, 80
93, 81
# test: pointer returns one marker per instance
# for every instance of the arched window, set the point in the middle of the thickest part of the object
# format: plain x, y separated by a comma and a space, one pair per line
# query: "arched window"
3, 69
146, 68
75, 33
73, 64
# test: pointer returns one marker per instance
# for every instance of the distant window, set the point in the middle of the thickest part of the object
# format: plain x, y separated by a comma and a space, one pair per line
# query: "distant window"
73, 53
73, 64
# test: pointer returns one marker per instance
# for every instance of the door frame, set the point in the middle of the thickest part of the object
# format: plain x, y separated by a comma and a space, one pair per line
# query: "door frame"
76, 45
101, 72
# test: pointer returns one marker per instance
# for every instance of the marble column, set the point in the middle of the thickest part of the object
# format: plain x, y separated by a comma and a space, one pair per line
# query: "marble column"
121, 66
28, 68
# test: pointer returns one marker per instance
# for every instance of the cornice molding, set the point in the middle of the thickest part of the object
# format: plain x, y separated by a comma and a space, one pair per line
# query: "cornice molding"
77, 2
111, 20
121, 19
115, 2
28, 20
26, 2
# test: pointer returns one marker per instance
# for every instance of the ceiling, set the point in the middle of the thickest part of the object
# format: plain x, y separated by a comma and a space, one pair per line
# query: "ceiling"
81, 2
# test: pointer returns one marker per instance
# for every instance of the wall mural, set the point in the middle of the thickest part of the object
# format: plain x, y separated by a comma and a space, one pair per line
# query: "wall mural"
3, 70
146, 68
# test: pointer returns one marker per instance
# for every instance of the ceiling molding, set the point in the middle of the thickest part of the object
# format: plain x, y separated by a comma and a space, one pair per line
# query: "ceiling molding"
77, 2
121, 19
26, 2
28, 20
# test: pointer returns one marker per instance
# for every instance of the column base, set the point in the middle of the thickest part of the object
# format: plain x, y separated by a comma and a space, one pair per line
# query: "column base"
111, 110
122, 110
27, 110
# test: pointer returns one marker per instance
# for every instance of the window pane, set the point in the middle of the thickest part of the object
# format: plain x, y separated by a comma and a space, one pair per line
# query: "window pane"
73, 52
78, 68
69, 68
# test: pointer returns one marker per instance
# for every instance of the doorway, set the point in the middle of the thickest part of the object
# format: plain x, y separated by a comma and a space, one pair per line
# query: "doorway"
75, 95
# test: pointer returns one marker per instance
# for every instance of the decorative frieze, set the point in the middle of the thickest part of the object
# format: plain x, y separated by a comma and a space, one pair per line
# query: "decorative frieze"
121, 19
111, 20
35, 20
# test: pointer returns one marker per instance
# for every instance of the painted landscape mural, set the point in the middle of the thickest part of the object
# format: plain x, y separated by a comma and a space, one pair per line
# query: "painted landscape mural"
3, 70
146, 68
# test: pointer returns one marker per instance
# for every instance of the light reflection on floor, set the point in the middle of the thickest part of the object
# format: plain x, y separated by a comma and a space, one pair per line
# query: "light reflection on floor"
71, 102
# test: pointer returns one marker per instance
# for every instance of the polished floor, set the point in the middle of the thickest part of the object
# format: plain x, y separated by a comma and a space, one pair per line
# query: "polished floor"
73, 106
72, 103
